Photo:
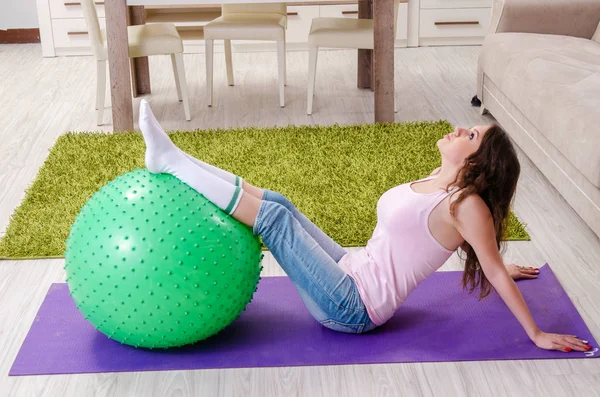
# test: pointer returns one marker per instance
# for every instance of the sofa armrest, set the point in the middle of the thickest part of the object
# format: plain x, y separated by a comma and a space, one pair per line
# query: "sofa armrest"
578, 18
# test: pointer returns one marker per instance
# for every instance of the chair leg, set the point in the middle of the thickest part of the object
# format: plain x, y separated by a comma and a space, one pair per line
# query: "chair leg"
100, 88
284, 63
175, 72
395, 101
182, 83
312, 71
209, 69
228, 62
281, 64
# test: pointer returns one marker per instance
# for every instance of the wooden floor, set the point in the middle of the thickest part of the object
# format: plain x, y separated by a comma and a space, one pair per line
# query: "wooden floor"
42, 98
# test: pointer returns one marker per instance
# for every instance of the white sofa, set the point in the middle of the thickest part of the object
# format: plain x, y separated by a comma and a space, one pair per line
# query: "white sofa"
539, 76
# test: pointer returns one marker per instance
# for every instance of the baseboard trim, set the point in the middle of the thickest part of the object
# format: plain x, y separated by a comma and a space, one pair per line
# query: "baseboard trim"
19, 36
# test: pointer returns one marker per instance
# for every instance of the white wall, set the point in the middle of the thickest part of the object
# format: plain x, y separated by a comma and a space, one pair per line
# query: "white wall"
18, 14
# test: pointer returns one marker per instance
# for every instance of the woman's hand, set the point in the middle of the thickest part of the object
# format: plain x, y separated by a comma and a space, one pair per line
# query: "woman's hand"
563, 343
517, 272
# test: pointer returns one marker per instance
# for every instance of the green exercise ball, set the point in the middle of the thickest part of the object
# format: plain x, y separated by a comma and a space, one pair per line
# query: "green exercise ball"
152, 263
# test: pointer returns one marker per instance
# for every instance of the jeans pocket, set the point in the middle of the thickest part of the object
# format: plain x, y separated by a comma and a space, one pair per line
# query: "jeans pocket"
351, 299
342, 327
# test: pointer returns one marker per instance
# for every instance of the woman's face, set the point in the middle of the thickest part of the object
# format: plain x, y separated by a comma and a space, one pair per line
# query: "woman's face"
460, 144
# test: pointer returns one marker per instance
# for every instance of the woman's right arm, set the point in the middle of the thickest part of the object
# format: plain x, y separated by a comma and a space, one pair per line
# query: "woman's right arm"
474, 223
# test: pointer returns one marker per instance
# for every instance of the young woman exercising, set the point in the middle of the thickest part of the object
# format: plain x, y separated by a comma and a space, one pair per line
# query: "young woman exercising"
464, 203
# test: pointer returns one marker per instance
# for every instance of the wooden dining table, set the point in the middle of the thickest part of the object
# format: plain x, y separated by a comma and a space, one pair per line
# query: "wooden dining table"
375, 67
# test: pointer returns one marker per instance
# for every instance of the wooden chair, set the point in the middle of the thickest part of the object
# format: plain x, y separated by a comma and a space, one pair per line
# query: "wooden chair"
144, 40
246, 22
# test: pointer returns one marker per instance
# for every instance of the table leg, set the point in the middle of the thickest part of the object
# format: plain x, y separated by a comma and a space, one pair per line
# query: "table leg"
118, 64
365, 57
383, 60
140, 70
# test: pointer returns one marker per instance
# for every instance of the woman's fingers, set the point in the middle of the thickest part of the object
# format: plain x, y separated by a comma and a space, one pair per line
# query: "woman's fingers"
528, 272
576, 344
528, 275
560, 347
569, 343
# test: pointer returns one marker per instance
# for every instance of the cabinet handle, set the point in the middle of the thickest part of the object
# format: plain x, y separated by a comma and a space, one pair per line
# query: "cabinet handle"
349, 12
292, 14
77, 33
98, 3
458, 23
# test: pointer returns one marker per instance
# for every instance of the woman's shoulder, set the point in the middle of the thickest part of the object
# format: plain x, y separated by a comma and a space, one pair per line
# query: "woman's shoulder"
471, 205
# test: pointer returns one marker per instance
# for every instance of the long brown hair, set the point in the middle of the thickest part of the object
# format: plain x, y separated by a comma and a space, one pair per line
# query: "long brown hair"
492, 173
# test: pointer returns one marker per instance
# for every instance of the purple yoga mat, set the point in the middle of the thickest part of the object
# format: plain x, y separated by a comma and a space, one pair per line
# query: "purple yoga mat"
439, 322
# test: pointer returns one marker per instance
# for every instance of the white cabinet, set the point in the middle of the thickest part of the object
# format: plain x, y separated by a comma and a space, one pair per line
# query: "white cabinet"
453, 22
63, 30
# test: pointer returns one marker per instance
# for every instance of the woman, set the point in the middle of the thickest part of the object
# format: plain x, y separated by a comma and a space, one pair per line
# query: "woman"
464, 203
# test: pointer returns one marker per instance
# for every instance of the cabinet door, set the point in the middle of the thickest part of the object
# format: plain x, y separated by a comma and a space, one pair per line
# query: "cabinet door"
458, 26
468, 22
72, 34
299, 20
402, 28
72, 8
339, 11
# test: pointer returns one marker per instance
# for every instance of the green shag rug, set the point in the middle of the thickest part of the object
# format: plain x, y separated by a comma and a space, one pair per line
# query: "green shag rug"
333, 174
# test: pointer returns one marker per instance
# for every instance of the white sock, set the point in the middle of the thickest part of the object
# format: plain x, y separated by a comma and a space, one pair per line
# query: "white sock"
162, 156
226, 176
221, 173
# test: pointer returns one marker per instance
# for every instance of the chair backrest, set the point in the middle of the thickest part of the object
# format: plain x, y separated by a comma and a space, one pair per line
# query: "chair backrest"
272, 8
91, 19
396, 6
249, 9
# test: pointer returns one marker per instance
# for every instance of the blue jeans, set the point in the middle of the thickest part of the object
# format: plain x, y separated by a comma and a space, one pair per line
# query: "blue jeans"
309, 257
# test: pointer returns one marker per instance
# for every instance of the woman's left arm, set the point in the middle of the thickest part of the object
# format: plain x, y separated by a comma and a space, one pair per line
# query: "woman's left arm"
474, 223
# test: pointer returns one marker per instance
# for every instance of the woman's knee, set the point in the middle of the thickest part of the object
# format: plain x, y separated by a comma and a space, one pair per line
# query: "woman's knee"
273, 216
277, 197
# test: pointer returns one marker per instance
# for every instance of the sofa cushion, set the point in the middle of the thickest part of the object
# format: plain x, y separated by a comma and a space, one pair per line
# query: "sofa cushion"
555, 82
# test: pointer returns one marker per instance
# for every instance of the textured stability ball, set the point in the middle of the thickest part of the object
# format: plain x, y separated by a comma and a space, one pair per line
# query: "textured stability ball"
152, 263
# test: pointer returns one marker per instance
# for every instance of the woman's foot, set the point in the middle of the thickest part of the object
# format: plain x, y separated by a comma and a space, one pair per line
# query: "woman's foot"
158, 144
162, 156
161, 152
